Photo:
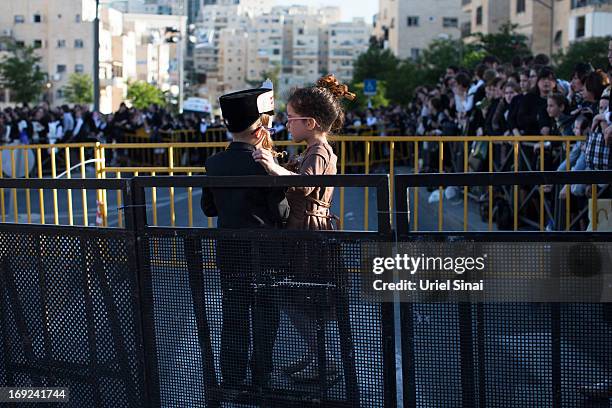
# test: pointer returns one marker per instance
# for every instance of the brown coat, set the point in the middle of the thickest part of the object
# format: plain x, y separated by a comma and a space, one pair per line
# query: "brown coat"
309, 206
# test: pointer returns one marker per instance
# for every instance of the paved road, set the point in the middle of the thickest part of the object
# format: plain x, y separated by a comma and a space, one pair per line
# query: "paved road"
354, 213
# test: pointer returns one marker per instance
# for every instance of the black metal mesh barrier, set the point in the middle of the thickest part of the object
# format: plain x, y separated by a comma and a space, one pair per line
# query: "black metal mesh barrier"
505, 354
266, 318
70, 315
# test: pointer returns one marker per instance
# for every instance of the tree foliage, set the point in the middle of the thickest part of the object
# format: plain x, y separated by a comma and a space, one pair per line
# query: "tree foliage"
361, 101
142, 94
592, 50
401, 77
505, 44
438, 56
20, 73
375, 63
79, 89
401, 86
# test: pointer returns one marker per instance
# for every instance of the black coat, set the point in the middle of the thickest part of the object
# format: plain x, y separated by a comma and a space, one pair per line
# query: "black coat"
242, 207
532, 116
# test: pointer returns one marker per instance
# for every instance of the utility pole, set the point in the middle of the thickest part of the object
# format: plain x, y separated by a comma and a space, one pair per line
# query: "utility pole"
96, 64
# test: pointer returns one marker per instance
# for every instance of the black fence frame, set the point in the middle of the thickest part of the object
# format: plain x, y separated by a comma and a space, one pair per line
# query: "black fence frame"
403, 182
137, 230
142, 230
471, 390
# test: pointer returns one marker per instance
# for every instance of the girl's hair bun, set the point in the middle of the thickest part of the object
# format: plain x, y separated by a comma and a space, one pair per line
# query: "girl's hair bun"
340, 91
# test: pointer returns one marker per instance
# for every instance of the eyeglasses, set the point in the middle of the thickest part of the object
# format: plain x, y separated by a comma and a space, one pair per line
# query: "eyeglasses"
289, 119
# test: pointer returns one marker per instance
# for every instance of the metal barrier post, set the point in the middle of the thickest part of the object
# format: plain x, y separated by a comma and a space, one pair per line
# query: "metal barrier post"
415, 219
2, 192
14, 175
342, 171
69, 191
567, 188
27, 191
41, 194
136, 221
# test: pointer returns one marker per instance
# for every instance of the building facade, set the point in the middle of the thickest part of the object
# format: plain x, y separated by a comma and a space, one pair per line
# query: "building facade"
406, 27
240, 45
484, 16
346, 40
132, 46
550, 26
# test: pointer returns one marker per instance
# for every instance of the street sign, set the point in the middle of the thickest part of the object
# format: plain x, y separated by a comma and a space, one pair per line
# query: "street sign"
369, 87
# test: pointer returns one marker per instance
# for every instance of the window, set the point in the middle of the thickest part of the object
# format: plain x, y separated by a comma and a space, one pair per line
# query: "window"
520, 6
466, 29
61, 43
78, 43
79, 68
412, 21
300, 31
276, 51
37, 18
414, 53
19, 19
37, 44
116, 71
558, 37
77, 18
61, 69
20, 44
479, 15
580, 26
450, 22
59, 94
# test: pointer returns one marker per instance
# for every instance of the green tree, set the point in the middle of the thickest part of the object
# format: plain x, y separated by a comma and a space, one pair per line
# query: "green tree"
592, 50
20, 73
505, 44
79, 89
361, 101
375, 63
440, 54
142, 94
400, 88
472, 58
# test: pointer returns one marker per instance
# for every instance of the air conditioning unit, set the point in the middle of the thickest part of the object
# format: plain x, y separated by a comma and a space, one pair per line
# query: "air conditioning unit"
7, 32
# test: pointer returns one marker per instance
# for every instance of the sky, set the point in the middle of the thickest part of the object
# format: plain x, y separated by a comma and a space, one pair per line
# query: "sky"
350, 8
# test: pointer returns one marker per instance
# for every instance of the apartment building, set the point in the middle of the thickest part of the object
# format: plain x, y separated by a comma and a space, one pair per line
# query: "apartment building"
345, 41
484, 16
550, 26
407, 27
132, 46
265, 45
60, 30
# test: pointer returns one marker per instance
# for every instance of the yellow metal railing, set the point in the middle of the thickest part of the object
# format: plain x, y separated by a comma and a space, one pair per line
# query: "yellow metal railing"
355, 152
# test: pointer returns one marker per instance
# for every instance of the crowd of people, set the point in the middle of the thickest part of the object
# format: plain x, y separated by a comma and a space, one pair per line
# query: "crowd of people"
522, 98
525, 98
65, 124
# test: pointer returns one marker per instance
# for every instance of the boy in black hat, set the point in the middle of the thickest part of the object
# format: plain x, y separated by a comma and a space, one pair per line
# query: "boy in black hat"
247, 116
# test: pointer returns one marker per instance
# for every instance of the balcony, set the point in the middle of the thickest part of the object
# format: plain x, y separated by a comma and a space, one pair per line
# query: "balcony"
585, 3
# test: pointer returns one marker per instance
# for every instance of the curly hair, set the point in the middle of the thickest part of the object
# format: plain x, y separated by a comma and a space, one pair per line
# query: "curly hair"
267, 142
323, 102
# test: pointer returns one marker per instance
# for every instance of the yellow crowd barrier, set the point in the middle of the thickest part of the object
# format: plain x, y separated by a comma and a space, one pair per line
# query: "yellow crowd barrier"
357, 153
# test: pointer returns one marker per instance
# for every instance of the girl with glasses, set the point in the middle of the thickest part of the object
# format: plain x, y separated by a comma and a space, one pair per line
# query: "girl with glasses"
312, 114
